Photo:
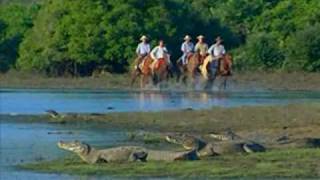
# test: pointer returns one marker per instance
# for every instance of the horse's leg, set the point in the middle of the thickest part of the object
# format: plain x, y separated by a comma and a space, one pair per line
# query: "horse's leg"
179, 74
155, 79
144, 81
194, 78
225, 82
210, 82
164, 78
184, 80
135, 74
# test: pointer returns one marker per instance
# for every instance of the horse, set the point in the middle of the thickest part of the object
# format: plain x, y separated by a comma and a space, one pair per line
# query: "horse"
160, 72
190, 70
211, 69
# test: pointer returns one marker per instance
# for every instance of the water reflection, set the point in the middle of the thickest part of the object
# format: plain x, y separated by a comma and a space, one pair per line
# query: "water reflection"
37, 101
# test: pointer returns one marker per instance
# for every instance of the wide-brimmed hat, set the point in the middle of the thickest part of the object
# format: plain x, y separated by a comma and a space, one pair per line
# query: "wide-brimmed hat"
143, 38
187, 37
200, 37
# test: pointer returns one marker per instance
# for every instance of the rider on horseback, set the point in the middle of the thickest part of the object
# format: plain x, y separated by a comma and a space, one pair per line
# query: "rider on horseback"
158, 54
142, 51
217, 51
201, 48
187, 49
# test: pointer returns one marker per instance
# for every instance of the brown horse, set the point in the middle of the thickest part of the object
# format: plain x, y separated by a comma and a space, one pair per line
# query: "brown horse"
217, 68
190, 70
160, 72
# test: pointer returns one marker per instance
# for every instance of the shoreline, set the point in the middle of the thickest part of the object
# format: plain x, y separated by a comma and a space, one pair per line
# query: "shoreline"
246, 121
260, 121
243, 118
297, 81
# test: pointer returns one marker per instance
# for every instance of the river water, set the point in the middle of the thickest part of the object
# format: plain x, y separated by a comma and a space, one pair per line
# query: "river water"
35, 142
29, 101
24, 143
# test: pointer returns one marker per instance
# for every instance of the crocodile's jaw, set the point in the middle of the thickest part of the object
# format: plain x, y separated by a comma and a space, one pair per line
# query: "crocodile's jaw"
75, 147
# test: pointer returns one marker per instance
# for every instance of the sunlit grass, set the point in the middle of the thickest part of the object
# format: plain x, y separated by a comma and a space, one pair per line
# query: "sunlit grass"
302, 163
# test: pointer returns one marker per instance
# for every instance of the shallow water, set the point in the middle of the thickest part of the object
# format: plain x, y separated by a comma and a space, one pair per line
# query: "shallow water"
25, 143
26, 101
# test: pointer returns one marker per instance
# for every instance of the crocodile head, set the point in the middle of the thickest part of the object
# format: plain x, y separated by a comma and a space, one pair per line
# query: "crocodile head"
74, 146
188, 142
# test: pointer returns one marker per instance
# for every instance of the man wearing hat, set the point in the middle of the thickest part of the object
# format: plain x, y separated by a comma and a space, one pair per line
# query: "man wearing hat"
186, 48
216, 51
142, 50
201, 48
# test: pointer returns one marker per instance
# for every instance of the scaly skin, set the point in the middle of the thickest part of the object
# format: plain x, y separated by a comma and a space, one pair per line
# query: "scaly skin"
123, 153
224, 144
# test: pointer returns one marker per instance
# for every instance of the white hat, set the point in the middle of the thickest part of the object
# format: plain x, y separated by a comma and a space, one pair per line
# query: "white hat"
200, 37
187, 37
143, 37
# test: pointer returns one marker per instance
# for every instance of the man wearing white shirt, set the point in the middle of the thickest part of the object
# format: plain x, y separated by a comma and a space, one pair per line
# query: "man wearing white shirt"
142, 51
187, 48
160, 52
217, 51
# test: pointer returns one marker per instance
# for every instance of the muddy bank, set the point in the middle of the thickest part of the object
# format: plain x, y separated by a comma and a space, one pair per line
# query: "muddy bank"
296, 121
302, 118
240, 80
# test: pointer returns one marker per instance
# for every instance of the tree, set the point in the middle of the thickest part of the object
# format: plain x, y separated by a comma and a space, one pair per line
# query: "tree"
15, 21
105, 33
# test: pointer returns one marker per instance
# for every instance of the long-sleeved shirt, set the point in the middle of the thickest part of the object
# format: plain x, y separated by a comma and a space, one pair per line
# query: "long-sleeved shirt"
187, 47
143, 49
202, 48
159, 52
217, 50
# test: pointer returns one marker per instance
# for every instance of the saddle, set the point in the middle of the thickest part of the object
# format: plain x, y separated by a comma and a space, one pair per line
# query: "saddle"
159, 63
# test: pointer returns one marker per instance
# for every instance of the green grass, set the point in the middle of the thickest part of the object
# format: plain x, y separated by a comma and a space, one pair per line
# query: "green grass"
298, 163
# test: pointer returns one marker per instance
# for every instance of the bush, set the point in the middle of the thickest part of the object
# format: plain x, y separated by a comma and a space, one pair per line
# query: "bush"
262, 51
303, 50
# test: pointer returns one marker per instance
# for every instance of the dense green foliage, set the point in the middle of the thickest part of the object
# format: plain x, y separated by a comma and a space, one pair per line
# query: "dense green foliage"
77, 37
15, 20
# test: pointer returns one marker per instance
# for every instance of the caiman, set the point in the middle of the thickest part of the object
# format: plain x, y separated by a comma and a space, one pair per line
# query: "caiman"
123, 153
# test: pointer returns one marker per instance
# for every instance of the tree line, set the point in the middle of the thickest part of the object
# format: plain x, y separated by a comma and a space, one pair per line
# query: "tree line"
77, 37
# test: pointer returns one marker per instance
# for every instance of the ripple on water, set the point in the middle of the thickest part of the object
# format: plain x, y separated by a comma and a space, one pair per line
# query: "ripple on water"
37, 101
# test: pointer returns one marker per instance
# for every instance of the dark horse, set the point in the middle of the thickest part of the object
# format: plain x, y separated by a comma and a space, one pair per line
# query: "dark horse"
160, 72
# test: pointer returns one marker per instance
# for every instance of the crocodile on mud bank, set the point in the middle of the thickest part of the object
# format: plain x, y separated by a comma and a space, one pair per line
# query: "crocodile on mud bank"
221, 144
229, 142
123, 153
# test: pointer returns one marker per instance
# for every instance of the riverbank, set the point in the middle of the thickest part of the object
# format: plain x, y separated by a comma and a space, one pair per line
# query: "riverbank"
239, 81
295, 120
298, 163
301, 119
